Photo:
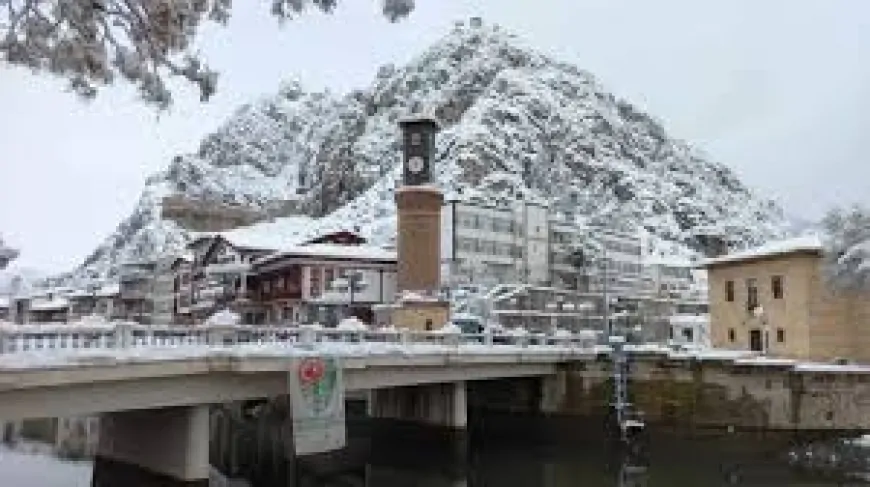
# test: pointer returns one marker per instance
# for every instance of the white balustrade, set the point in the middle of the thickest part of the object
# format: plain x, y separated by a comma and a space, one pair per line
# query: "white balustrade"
120, 335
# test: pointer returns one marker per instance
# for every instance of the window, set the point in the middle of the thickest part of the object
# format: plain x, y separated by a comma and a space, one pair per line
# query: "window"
314, 282
751, 294
287, 313
776, 286
729, 291
780, 335
731, 335
416, 139
688, 335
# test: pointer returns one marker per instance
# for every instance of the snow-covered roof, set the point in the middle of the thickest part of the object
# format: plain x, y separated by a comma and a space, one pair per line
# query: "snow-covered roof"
333, 251
4, 302
278, 234
79, 293
460, 316
418, 297
804, 243
223, 318
352, 323
109, 290
690, 320
54, 304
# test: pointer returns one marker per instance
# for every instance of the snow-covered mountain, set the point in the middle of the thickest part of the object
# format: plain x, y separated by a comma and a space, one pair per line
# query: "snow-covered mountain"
514, 122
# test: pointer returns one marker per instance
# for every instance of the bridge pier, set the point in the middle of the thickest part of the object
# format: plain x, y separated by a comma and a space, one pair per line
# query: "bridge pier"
444, 405
157, 447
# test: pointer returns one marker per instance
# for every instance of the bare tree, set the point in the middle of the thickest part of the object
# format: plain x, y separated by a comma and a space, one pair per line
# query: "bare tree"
848, 247
93, 42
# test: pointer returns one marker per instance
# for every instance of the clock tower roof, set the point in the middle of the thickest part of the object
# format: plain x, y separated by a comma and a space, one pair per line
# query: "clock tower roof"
420, 119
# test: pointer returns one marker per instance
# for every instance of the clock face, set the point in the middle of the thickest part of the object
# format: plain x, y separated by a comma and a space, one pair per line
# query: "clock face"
416, 164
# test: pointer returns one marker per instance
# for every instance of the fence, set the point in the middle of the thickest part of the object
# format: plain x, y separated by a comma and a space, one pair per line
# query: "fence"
125, 335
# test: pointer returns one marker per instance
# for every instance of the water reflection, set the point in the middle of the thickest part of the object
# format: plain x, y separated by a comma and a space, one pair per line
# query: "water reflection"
672, 461
522, 452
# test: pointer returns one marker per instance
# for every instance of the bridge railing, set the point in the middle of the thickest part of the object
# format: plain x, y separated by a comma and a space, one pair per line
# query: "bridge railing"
125, 335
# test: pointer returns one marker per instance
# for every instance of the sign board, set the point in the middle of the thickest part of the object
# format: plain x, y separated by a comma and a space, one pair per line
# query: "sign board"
316, 390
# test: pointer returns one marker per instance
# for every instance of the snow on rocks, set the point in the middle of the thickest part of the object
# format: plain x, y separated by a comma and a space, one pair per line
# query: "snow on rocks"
515, 122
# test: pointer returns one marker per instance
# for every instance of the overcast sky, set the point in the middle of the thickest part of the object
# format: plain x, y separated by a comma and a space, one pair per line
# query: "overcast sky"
777, 90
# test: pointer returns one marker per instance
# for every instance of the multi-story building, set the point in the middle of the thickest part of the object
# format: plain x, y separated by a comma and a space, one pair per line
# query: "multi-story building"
776, 299
539, 268
491, 242
108, 301
83, 302
136, 290
49, 306
322, 283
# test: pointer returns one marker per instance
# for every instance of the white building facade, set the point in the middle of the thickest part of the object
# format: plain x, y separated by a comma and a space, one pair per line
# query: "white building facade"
493, 242
541, 269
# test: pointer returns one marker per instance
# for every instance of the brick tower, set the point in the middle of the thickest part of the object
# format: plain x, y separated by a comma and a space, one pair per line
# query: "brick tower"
418, 238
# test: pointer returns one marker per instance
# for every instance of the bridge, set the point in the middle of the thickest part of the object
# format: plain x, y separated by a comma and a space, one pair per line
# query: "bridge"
152, 385
69, 370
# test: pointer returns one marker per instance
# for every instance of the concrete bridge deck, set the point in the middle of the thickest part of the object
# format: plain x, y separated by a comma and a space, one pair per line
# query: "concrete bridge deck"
91, 385
70, 371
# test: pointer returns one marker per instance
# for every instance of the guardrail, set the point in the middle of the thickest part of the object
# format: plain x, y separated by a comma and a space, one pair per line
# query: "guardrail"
126, 335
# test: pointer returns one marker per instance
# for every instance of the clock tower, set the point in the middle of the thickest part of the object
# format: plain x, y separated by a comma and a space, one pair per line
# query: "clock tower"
418, 235
418, 149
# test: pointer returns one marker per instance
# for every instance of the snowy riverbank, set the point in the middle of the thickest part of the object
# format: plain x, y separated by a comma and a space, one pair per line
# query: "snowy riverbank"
33, 466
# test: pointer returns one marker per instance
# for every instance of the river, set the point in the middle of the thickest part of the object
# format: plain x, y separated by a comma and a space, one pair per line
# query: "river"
504, 452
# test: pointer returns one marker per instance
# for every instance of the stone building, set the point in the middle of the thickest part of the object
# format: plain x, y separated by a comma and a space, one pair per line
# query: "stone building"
207, 216
775, 299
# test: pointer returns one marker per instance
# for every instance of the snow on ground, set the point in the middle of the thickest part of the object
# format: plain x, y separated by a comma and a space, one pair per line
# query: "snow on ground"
38, 469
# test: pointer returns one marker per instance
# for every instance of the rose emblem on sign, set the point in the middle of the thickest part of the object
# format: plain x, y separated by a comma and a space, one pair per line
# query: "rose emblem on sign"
317, 378
311, 370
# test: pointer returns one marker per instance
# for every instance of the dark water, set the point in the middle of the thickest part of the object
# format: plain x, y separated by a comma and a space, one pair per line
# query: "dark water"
516, 452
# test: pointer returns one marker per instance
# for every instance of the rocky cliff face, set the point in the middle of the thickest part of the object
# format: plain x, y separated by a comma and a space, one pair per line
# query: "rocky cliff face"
515, 123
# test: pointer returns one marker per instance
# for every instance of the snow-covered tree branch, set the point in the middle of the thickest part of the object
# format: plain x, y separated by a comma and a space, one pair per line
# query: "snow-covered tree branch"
92, 43
7, 254
848, 247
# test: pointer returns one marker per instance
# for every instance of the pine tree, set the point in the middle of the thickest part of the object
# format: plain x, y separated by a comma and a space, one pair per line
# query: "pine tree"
848, 247
91, 43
